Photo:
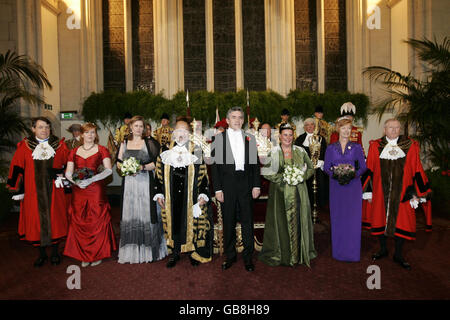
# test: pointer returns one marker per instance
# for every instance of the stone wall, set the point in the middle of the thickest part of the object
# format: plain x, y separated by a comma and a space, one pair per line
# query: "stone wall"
8, 26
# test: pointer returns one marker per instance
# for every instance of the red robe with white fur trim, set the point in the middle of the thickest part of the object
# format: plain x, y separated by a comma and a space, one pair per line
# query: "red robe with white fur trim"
43, 210
411, 181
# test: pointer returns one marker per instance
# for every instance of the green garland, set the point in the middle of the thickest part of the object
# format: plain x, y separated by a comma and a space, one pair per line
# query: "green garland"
109, 107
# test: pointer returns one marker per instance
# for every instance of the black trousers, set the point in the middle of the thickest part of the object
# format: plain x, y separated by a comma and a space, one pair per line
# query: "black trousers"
238, 205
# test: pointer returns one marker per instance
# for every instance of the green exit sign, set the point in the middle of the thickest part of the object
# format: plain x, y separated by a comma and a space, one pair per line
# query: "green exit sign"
67, 115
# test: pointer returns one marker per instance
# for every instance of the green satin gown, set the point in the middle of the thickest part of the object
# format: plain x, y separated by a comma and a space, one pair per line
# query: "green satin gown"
288, 233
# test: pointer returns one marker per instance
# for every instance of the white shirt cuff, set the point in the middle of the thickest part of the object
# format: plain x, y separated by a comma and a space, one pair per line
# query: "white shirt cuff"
157, 196
18, 197
319, 164
218, 191
204, 196
367, 196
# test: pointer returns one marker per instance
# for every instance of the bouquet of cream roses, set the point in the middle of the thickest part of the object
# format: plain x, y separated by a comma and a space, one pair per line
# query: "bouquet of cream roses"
293, 175
130, 166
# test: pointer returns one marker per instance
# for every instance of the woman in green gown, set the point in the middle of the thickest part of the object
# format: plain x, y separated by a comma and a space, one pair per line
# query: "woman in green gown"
288, 233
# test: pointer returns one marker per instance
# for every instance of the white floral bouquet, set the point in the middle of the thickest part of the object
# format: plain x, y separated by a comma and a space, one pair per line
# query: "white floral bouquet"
293, 175
130, 166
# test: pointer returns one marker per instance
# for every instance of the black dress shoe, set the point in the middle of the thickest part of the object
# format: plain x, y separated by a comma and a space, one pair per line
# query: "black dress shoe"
40, 262
402, 263
55, 260
379, 255
194, 262
173, 261
228, 263
250, 267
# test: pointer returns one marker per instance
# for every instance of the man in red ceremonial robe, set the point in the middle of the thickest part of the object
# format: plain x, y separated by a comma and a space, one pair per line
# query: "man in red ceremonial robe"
33, 178
348, 110
394, 186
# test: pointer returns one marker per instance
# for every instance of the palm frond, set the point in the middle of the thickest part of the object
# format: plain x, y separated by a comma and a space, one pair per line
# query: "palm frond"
24, 69
436, 54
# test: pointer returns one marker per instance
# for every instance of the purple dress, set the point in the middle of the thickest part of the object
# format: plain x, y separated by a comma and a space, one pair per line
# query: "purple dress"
345, 202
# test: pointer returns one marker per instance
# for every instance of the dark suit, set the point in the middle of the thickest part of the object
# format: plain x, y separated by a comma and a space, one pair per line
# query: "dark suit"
237, 189
321, 177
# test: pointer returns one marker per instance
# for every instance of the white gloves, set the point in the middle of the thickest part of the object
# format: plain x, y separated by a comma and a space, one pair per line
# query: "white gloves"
100, 176
367, 196
319, 164
415, 202
18, 197
59, 182
196, 210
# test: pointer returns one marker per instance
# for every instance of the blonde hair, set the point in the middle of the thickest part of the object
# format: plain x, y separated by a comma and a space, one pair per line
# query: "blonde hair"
342, 122
86, 127
391, 120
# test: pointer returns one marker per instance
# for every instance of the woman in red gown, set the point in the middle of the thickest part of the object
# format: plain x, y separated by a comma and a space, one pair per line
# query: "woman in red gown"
91, 237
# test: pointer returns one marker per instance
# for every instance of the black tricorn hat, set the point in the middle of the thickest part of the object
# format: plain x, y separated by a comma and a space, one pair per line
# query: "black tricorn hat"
165, 116
127, 115
285, 112
318, 108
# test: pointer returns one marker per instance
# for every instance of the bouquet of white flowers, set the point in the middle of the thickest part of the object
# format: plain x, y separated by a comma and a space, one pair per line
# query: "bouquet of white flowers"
130, 166
293, 175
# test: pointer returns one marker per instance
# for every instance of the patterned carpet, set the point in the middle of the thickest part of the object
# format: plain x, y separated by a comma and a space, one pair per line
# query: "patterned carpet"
326, 279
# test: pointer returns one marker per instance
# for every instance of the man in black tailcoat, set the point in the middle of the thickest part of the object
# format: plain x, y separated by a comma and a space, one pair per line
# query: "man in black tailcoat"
236, 181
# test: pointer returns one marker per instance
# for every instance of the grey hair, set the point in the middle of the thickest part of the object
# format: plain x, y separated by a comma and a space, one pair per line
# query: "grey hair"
309, 120
390, 120
233, 109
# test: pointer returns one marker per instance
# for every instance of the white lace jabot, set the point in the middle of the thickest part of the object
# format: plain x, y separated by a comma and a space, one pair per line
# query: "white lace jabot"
392, 151
178, 157
43, 151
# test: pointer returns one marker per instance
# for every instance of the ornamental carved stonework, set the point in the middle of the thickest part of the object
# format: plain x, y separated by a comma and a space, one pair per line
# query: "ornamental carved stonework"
224, 45
305, 44
254, 49
335, 45
113, 45
194, 38
142, 42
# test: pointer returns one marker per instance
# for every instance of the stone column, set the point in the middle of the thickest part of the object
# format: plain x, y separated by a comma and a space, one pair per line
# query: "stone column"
29, 40
280, 45
320, 46
168, 46
239, 45
91, 48
128, 45
209, 45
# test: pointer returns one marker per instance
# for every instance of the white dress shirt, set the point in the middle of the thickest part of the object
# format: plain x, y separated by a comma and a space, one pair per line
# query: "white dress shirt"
307, 139
237, 147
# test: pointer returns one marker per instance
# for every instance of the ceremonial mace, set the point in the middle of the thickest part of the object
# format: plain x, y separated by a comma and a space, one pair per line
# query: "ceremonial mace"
314, 148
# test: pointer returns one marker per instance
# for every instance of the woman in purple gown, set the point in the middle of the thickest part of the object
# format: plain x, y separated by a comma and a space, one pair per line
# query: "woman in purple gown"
344, 163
